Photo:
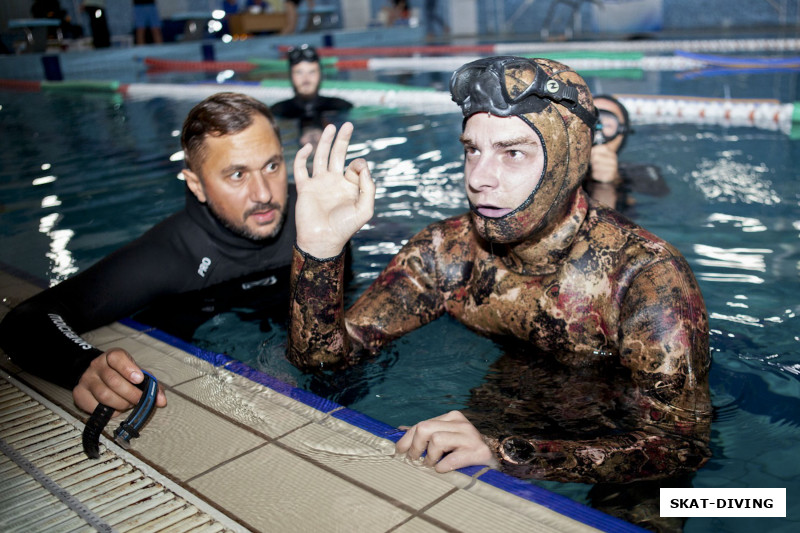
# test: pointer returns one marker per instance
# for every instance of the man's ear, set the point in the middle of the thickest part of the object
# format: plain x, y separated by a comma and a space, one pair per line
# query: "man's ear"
194, 184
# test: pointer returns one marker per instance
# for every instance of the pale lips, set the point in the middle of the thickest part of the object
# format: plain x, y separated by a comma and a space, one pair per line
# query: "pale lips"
490, 211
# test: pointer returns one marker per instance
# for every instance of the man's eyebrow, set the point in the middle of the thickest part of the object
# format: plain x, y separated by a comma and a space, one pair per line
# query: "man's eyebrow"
230, 169
237, 167
505, 143
517, 141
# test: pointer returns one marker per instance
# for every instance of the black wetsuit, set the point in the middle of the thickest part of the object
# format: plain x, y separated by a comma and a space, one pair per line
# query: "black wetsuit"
310, 111
633, 178
180, 273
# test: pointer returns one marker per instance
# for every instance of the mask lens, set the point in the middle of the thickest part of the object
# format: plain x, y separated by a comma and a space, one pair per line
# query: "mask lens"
611, 126
302, 53
519, 79
494, 85
463, 80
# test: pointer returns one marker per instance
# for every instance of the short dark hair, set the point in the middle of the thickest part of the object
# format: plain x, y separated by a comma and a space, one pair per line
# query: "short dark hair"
219, 114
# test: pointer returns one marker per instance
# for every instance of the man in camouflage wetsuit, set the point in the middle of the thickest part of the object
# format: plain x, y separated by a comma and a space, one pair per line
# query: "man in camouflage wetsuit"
566, 283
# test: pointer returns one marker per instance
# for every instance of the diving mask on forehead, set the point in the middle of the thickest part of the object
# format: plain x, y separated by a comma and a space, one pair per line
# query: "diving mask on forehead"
508, 86
300, 53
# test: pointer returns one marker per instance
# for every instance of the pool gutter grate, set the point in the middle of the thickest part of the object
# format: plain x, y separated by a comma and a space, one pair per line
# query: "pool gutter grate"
48, 484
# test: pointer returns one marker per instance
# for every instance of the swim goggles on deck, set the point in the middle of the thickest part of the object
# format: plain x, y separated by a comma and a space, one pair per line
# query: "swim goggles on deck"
609, 127
303, 52
129, 429
481, 86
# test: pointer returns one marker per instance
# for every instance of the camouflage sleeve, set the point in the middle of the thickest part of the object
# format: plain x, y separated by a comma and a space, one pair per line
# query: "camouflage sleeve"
664, 344
317, 336
402, 298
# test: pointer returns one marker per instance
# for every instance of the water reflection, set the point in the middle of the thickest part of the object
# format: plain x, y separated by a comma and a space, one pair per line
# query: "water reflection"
43, 180
744, 258
62, 264
739, 319
367, 147
748, 224
731, 278
732, 181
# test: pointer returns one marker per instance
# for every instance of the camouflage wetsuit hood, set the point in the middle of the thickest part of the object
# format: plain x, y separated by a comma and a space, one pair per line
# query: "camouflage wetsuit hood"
566, 142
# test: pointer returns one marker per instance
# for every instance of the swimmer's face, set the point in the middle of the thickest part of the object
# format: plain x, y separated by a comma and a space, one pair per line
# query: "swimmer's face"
503, 163
306, 77
243, 180
608, 105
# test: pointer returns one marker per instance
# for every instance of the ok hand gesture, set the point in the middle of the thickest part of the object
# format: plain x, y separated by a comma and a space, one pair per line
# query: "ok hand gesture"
334, 202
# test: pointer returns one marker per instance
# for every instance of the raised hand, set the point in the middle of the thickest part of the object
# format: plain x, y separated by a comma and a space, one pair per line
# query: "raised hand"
604, 164
450, 441
334, 202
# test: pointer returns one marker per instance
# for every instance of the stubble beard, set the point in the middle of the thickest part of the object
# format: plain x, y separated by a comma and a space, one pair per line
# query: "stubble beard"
242, 230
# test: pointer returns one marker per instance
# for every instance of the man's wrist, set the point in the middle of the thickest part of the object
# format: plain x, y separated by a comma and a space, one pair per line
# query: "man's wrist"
319, 254
613, 179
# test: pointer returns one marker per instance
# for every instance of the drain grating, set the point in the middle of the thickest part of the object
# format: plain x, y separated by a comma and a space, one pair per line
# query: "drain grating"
48, 484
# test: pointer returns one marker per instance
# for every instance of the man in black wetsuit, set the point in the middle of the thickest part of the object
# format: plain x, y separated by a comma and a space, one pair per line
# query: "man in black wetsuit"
308, 105
232, 243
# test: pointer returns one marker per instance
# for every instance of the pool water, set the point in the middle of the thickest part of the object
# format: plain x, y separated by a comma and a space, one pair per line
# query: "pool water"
82, 173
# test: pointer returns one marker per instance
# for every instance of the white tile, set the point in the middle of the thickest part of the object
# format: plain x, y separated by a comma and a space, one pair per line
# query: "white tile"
375, 467
274, 490
254, 409
418, 525
471, 511
166, 369
185, 439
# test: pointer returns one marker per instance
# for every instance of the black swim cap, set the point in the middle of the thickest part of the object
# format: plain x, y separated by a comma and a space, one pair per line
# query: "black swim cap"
301, 53
623, 126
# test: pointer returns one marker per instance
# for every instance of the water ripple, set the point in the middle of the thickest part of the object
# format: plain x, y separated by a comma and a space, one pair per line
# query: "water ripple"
727, 180
744, 258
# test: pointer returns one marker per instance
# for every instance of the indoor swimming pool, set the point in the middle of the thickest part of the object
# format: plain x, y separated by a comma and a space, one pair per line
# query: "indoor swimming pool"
81, 173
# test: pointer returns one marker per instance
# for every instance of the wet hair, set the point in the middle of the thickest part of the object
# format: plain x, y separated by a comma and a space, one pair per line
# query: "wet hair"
219, 114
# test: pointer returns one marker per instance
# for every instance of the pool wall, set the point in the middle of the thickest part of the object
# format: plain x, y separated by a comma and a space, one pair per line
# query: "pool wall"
509, 17
126, 64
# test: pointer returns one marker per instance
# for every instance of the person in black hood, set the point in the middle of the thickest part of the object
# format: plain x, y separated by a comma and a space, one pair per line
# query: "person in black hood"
231, 243
604, 314
609, 180
308, 106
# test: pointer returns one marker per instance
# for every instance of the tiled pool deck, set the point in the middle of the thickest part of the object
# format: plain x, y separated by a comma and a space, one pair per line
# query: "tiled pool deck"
239, 450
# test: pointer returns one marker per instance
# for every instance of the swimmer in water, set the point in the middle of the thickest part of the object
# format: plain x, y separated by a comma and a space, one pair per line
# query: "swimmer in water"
535, 264
609, 180
307, 105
